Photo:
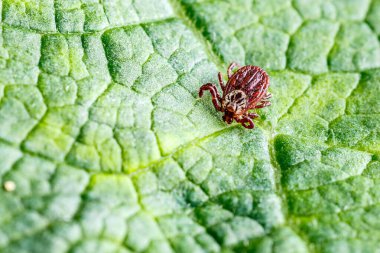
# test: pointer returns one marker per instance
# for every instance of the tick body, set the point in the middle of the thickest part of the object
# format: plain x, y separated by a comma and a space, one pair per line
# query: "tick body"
246, 89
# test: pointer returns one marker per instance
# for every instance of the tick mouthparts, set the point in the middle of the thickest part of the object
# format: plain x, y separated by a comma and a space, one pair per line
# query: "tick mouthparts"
230, 108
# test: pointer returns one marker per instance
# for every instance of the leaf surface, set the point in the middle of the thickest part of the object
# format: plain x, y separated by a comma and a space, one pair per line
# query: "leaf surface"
111, 150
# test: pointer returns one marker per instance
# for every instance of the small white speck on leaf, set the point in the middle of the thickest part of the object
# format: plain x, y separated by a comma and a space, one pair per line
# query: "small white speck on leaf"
9, 186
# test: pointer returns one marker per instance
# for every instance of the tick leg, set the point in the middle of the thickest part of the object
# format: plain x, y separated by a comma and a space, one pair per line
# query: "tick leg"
214, 93
246, 122
230, 68
267, 96
253, 115
263, 104
221, 82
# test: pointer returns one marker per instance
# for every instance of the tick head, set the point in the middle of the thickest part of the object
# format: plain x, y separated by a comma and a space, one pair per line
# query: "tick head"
228, 117
231, 107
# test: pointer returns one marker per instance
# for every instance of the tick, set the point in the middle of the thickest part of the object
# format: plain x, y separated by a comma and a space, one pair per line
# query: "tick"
246, 89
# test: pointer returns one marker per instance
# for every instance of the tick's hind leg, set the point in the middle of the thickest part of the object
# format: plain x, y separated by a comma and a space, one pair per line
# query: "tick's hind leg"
263, 104
246, 122
214, 93
267, 96
230, 68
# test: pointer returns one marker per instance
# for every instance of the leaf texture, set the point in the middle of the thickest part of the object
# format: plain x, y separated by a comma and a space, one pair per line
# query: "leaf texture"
111, 150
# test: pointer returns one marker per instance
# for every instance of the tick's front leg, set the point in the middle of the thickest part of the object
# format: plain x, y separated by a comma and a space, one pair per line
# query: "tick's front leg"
214, 93
253, 115
246, 122
221, 82
230, 68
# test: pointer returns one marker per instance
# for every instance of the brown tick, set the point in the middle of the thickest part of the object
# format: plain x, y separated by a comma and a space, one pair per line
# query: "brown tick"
246, 89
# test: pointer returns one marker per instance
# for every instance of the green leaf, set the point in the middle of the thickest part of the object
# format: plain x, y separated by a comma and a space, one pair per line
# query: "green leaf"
111, 150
